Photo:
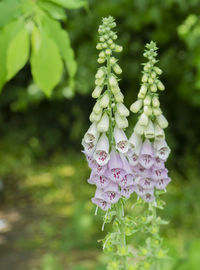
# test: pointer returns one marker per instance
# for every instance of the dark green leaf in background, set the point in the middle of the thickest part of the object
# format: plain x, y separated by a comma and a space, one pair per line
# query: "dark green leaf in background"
46, 62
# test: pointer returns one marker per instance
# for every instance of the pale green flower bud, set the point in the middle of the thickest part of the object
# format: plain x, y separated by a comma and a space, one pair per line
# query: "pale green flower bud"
97, 108
112, 46
100, 74
117, 69
103, 124
147, 67
104, 101
142, 91
102, 54
113, 60
155, 102
153, 88
148, 110
162, 121
150, 81
158, 70
118, 48
122, 110
160, 86
136, 106
113, 81
157, 111
153, 75
108, 51
99, 82
143, 120
139, 129
101, 60
110, 41
159, 132
149, 131
97, 91
119, 96
144, 78
95, 117
115, 89
104, 45
99, 46
147, 101
102, 39
121, 121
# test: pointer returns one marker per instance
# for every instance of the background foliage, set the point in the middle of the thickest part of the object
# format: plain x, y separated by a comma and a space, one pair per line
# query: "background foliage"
43, 174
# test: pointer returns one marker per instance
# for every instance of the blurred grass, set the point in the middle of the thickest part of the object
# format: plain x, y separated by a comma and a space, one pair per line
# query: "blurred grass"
59, 225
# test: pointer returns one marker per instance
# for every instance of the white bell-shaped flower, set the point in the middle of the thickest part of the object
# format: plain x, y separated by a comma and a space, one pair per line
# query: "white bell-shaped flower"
119, 96
104, 101
97, 108
159, 132
162, 121
135, 141
92, 134
121, 121
162, 149
122, 110
95, 117
149, 131
103, 124
143, 120
101, 153
120, 140
139, 129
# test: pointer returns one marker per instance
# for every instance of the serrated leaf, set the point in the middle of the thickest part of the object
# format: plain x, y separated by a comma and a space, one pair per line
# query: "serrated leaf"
10, 10
46, 62
6, 34
71, 4
53, 10
62, 40
18, 52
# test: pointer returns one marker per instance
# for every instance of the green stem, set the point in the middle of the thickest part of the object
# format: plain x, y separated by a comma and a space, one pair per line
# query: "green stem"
110, 102
120, 216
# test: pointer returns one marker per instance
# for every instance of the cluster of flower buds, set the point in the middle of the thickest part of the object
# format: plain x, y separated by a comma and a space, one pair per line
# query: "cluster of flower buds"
148, 149
105, 143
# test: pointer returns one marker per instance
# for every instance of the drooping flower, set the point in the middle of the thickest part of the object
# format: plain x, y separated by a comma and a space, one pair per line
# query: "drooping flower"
101, 154
121, 140
146, 158
100, 201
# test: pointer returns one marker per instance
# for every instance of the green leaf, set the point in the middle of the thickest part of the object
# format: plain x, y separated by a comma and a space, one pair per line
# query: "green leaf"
62, 40
46, 63
53, 10
18, 52
10, 10
71, 4
6, 35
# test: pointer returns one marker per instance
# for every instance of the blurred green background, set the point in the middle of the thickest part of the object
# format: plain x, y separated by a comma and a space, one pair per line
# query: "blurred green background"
47, 220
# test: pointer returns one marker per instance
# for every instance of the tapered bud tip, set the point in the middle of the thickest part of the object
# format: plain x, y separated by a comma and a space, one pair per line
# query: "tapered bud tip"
97, 92
118, 48
136, 106
160, 86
